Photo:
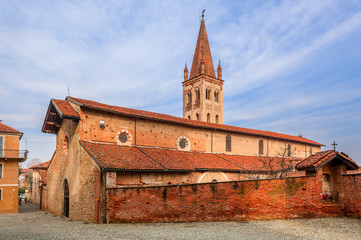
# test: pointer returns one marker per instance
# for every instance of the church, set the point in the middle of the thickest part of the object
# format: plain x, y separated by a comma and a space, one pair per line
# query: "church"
102, 148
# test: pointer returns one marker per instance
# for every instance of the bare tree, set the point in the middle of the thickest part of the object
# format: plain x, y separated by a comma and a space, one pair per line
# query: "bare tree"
33, 162
277, 166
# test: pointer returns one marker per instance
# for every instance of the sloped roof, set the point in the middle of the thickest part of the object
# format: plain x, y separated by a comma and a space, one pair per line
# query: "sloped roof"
6, 128
65, 109
202, 54
116, 157
57, 111
320, 159
188, 122
43, 165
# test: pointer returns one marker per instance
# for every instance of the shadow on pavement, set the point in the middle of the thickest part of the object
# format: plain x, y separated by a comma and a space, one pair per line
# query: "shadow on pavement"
29, 207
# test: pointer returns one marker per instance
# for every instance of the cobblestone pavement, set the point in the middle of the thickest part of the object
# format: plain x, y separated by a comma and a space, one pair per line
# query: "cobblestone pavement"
32, 223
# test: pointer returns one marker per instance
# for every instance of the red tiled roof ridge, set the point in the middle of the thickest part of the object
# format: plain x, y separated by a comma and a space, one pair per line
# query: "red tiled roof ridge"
64, 108
319, 159
174, 149
6, 128
124, 158
179, 120
41, 165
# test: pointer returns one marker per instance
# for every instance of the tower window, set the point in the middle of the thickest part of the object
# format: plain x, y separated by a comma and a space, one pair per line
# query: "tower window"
208, 94
198, 95
189, 117
260, 150
189, 97
197, 115
216, 94
289, 152
217, 119
208, 117
228, 143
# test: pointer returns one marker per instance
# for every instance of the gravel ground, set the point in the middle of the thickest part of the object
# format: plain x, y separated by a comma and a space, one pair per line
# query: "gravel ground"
32, 223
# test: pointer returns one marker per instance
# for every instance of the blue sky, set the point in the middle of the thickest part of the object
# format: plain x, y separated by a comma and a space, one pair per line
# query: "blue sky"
289, 66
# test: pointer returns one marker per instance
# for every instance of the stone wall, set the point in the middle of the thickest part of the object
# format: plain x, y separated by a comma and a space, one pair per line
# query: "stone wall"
352, 196
82, 174
299, 197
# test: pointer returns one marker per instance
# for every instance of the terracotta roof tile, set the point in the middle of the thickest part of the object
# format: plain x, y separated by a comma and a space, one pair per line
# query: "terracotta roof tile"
6, 128
187, 160
184, 121
258, 163
115, 157
320, 159
43, 165
65, 109
111, 156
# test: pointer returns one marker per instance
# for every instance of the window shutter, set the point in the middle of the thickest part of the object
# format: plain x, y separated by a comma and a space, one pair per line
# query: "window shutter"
1, 146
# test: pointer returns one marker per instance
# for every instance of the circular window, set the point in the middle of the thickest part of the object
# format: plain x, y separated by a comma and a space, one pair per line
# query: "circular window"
183, 143
123, 137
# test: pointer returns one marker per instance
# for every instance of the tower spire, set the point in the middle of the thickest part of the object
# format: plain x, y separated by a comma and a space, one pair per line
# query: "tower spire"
202, 54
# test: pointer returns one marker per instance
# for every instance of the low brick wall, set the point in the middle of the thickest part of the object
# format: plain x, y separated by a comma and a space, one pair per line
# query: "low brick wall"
299, 197
352, 195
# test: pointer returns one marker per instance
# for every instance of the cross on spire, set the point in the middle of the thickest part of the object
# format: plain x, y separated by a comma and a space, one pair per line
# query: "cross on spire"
334, 144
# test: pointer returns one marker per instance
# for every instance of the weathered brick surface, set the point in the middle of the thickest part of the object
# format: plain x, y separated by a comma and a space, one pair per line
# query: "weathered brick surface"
240, 200
82, 174
352, 194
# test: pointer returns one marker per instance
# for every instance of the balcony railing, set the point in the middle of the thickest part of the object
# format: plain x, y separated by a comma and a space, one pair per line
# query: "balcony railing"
10, 153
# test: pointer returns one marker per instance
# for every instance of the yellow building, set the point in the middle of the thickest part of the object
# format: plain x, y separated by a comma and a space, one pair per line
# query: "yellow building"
10, 156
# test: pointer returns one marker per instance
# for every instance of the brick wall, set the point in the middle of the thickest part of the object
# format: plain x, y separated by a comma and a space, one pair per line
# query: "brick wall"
240, 200
352, 196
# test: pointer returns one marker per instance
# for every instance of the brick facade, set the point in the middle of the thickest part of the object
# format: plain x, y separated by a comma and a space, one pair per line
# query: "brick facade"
352, 197
238, 200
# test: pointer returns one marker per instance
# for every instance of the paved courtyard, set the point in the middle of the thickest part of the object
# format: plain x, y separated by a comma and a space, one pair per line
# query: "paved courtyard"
32, 223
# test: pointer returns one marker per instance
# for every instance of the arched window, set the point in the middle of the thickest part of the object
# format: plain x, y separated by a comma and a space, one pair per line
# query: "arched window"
197, 115
189, 117
289, 152
216, 96
208, 94
208, 117
198, 95
189, 97
260, 150
217, 119
228, 143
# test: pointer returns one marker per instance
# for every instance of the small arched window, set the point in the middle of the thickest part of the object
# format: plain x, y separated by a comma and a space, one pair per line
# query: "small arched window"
289, 152
189, 97
197, 115
189, 117
208, 117
216, 96
217, 119
260, 150
228, 143
208, 94
198, 95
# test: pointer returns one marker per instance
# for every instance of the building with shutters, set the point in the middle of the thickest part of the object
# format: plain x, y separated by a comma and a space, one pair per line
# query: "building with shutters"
10, 156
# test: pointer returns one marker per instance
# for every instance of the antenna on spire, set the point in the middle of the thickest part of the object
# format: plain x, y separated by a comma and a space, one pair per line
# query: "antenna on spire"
68, 91
203, 14
219, 61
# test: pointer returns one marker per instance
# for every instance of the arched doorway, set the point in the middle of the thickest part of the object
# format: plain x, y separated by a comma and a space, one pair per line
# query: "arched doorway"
66, 199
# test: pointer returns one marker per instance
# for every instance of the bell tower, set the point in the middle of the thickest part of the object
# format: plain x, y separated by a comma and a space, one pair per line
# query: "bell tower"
202, 90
